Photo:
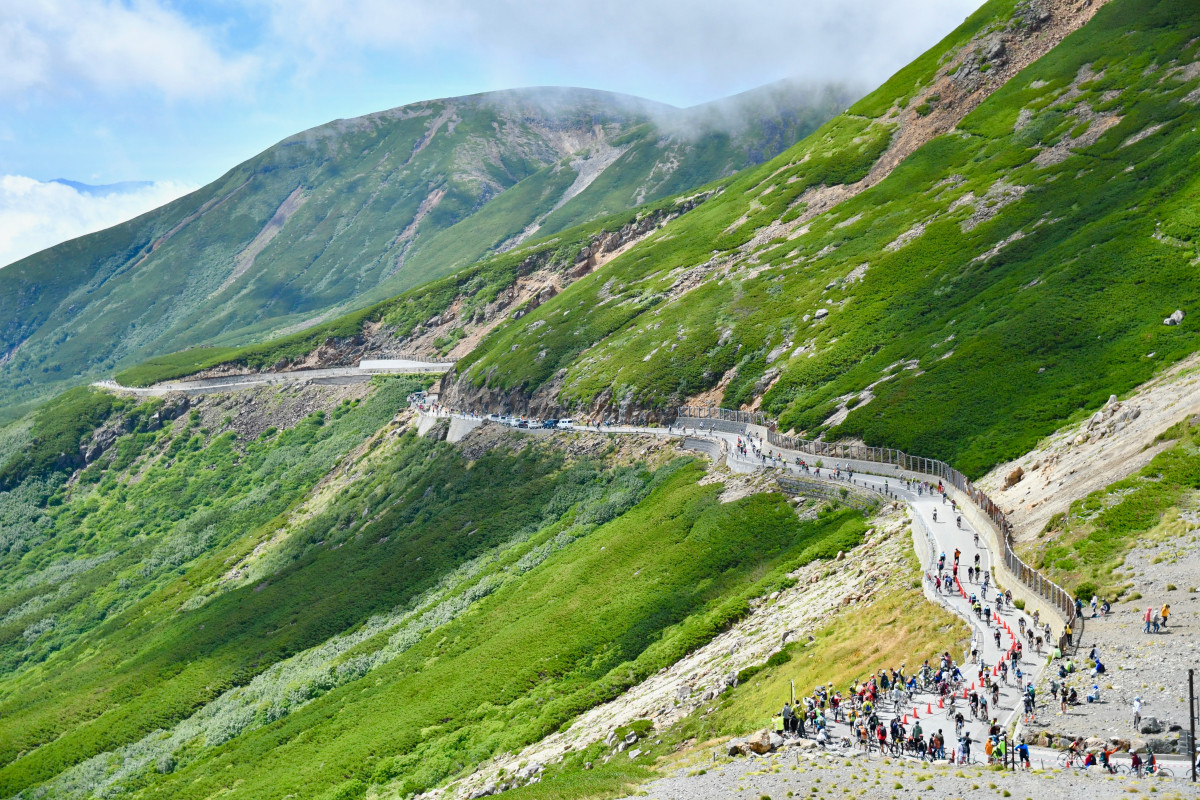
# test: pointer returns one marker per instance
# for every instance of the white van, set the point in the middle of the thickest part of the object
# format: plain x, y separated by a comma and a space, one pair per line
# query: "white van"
566, 423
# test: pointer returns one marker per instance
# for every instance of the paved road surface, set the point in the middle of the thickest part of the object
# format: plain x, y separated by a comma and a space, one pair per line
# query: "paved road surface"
334, 376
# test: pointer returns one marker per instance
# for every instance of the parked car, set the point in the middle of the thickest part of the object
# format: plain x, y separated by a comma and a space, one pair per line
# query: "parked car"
566, 423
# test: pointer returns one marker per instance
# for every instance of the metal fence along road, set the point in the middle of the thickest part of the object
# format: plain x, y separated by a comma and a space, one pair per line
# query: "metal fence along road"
724, 414
1032, 579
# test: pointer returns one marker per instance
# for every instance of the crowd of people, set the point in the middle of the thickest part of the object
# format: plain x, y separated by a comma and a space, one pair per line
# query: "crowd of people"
865, 706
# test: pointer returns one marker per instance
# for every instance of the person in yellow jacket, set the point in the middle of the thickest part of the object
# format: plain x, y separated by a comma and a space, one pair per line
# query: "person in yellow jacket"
1166, 612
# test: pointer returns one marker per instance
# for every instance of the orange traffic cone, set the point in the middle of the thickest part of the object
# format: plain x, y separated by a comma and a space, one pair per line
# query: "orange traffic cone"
905, 720
915, 713
941, 702
929, 707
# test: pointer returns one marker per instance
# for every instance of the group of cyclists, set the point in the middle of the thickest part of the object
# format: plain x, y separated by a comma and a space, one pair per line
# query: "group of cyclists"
861, 707
864, 702
1077, 755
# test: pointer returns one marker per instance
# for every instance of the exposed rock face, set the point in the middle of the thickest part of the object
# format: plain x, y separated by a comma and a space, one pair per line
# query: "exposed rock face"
1174, 319
1014, 477
174, 405
1031, 15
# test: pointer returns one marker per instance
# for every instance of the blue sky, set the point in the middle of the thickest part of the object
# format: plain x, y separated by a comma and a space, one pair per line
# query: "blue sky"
175, 93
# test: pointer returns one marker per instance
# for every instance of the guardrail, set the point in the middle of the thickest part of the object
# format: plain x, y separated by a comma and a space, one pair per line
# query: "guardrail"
853, 496
370, 362
1027, 575
712, 449
726, 414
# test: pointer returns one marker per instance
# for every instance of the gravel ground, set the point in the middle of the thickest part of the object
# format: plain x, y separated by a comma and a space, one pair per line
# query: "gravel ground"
1153, 666
828, 776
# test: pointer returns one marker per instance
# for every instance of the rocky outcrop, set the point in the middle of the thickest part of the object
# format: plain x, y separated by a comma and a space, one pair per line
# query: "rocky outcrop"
106, 435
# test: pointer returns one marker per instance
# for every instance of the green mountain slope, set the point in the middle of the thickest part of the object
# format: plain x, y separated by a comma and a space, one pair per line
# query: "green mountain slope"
358, 210
287, 593
950, 283
196, 598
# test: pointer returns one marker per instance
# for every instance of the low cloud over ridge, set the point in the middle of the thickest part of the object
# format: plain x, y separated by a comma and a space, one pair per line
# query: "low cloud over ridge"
36, 214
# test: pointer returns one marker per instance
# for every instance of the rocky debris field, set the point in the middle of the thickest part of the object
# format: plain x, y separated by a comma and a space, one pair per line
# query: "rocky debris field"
1111, 444
249, 412
819, 774
1152, 666
624, 449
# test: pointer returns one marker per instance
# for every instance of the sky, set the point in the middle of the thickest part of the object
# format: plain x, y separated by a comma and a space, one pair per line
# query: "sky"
174, 93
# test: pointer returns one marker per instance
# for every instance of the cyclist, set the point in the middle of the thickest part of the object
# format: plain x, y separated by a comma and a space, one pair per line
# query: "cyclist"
897, 732
1076, 747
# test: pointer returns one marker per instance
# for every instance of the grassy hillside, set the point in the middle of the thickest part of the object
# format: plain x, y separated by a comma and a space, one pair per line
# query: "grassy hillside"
1086, 547
193, 599
355, 211
1035, 249
477, 285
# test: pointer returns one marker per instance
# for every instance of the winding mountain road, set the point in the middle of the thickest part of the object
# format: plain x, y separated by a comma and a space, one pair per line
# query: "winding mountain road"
335, 375
930, 538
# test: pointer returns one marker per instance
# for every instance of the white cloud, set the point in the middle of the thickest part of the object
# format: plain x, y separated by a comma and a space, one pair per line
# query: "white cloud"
76, 46
35, 215
692, 49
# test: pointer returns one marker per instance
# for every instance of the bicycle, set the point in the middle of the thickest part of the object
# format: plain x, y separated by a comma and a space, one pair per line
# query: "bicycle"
1157, 771
1069, 759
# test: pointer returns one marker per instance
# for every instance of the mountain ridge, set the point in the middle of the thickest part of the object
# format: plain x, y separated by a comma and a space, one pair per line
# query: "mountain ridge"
350, 212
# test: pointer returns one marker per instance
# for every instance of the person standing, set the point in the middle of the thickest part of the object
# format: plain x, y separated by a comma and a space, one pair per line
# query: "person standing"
1166, 612
1137, 713
1147, 619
